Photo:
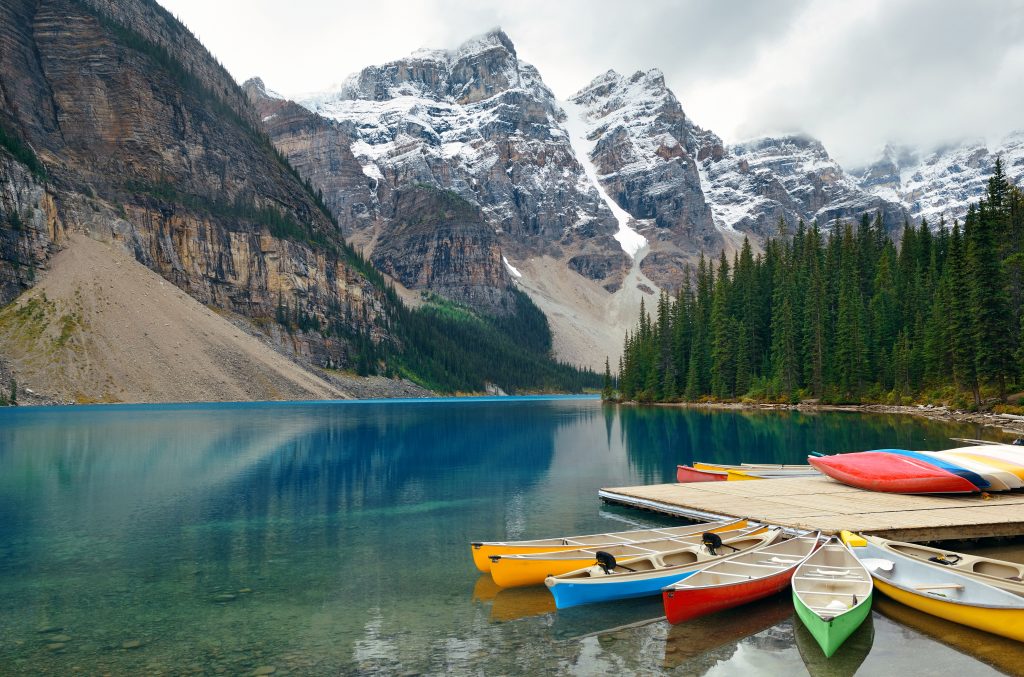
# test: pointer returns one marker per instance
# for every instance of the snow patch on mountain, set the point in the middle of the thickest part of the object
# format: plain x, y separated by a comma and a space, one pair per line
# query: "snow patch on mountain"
578, 130
942, 183
511, 269
477, 121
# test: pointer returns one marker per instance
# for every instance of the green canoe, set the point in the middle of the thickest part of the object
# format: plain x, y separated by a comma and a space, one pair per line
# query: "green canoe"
832, 594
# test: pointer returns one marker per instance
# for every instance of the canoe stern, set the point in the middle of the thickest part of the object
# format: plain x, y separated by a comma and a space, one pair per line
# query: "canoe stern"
830, 634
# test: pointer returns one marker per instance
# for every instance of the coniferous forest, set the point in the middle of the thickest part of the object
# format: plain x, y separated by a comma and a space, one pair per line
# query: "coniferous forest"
845, 316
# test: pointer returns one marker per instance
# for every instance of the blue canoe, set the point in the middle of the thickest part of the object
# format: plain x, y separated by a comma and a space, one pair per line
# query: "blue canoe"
647, 575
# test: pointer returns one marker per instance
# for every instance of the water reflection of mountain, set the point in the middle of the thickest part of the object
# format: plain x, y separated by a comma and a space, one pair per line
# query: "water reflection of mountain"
730, 436
332, 533
340, 508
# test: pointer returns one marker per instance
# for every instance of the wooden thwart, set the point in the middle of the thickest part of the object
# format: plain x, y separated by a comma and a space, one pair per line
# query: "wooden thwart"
821, 504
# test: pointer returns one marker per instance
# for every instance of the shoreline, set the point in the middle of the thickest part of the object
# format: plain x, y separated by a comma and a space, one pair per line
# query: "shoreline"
39, 402
1009, 424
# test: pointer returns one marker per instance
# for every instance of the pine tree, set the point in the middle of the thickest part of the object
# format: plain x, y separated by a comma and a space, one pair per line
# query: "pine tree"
815, 319
723, 347
989, 307
784, 333
850, 348
607, 392
961, 328
885, 318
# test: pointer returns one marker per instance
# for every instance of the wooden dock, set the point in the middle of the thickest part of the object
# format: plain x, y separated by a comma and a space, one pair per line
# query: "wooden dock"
819, 503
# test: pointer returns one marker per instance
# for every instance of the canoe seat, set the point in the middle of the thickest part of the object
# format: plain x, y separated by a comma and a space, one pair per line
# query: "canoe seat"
938, 586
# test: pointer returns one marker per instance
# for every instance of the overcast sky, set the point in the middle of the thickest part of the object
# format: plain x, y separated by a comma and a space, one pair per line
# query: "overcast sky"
854, 74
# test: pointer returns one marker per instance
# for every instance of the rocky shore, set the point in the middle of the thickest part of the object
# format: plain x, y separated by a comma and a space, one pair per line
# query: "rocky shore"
1009, 424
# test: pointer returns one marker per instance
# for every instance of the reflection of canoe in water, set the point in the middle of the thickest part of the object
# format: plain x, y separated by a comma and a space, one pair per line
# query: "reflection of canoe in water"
845, 661
646, 575
689, 640
832, 595
482, 551
485, 589
509, 605
997, 572
1000, 652
516, 603
941, 592
579, 622
513, 571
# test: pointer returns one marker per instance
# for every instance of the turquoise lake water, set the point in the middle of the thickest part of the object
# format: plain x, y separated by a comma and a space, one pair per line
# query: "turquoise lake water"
332, 538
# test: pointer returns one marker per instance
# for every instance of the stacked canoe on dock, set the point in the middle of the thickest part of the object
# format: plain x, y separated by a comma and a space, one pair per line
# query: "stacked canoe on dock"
980, 467
989, 467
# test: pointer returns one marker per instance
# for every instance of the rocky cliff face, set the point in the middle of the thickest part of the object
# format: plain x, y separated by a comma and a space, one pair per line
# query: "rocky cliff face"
320, 150
941, 183
426, 238
619, 160
147, 142
645, 151
439, 242
481, 123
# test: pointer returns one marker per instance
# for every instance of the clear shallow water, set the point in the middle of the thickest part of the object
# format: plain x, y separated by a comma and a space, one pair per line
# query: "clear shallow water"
326, 538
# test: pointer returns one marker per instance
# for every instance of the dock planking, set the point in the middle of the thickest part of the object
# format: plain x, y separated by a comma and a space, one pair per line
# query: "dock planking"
818, 503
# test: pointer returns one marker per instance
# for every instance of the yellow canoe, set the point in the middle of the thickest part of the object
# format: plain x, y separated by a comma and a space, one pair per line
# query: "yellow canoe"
741, 473
941, 592
484, 550
515, 571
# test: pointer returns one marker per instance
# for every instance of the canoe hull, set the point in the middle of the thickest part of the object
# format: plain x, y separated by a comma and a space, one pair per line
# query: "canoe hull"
891, 473
831, 634
1003, 622
483, 551
574, 594
1001, 574
682, 604
518, 573
511, 571
482, 554
940, 592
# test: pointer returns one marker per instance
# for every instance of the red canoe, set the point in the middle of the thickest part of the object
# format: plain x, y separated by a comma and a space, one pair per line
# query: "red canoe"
879, 471
746, 578
685, 473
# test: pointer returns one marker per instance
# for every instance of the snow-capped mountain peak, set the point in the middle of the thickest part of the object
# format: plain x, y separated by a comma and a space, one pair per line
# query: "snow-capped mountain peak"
941, 183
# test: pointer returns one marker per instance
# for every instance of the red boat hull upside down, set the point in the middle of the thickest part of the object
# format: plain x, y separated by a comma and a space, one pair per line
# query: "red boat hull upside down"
683, 604
685, 473
878, 471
